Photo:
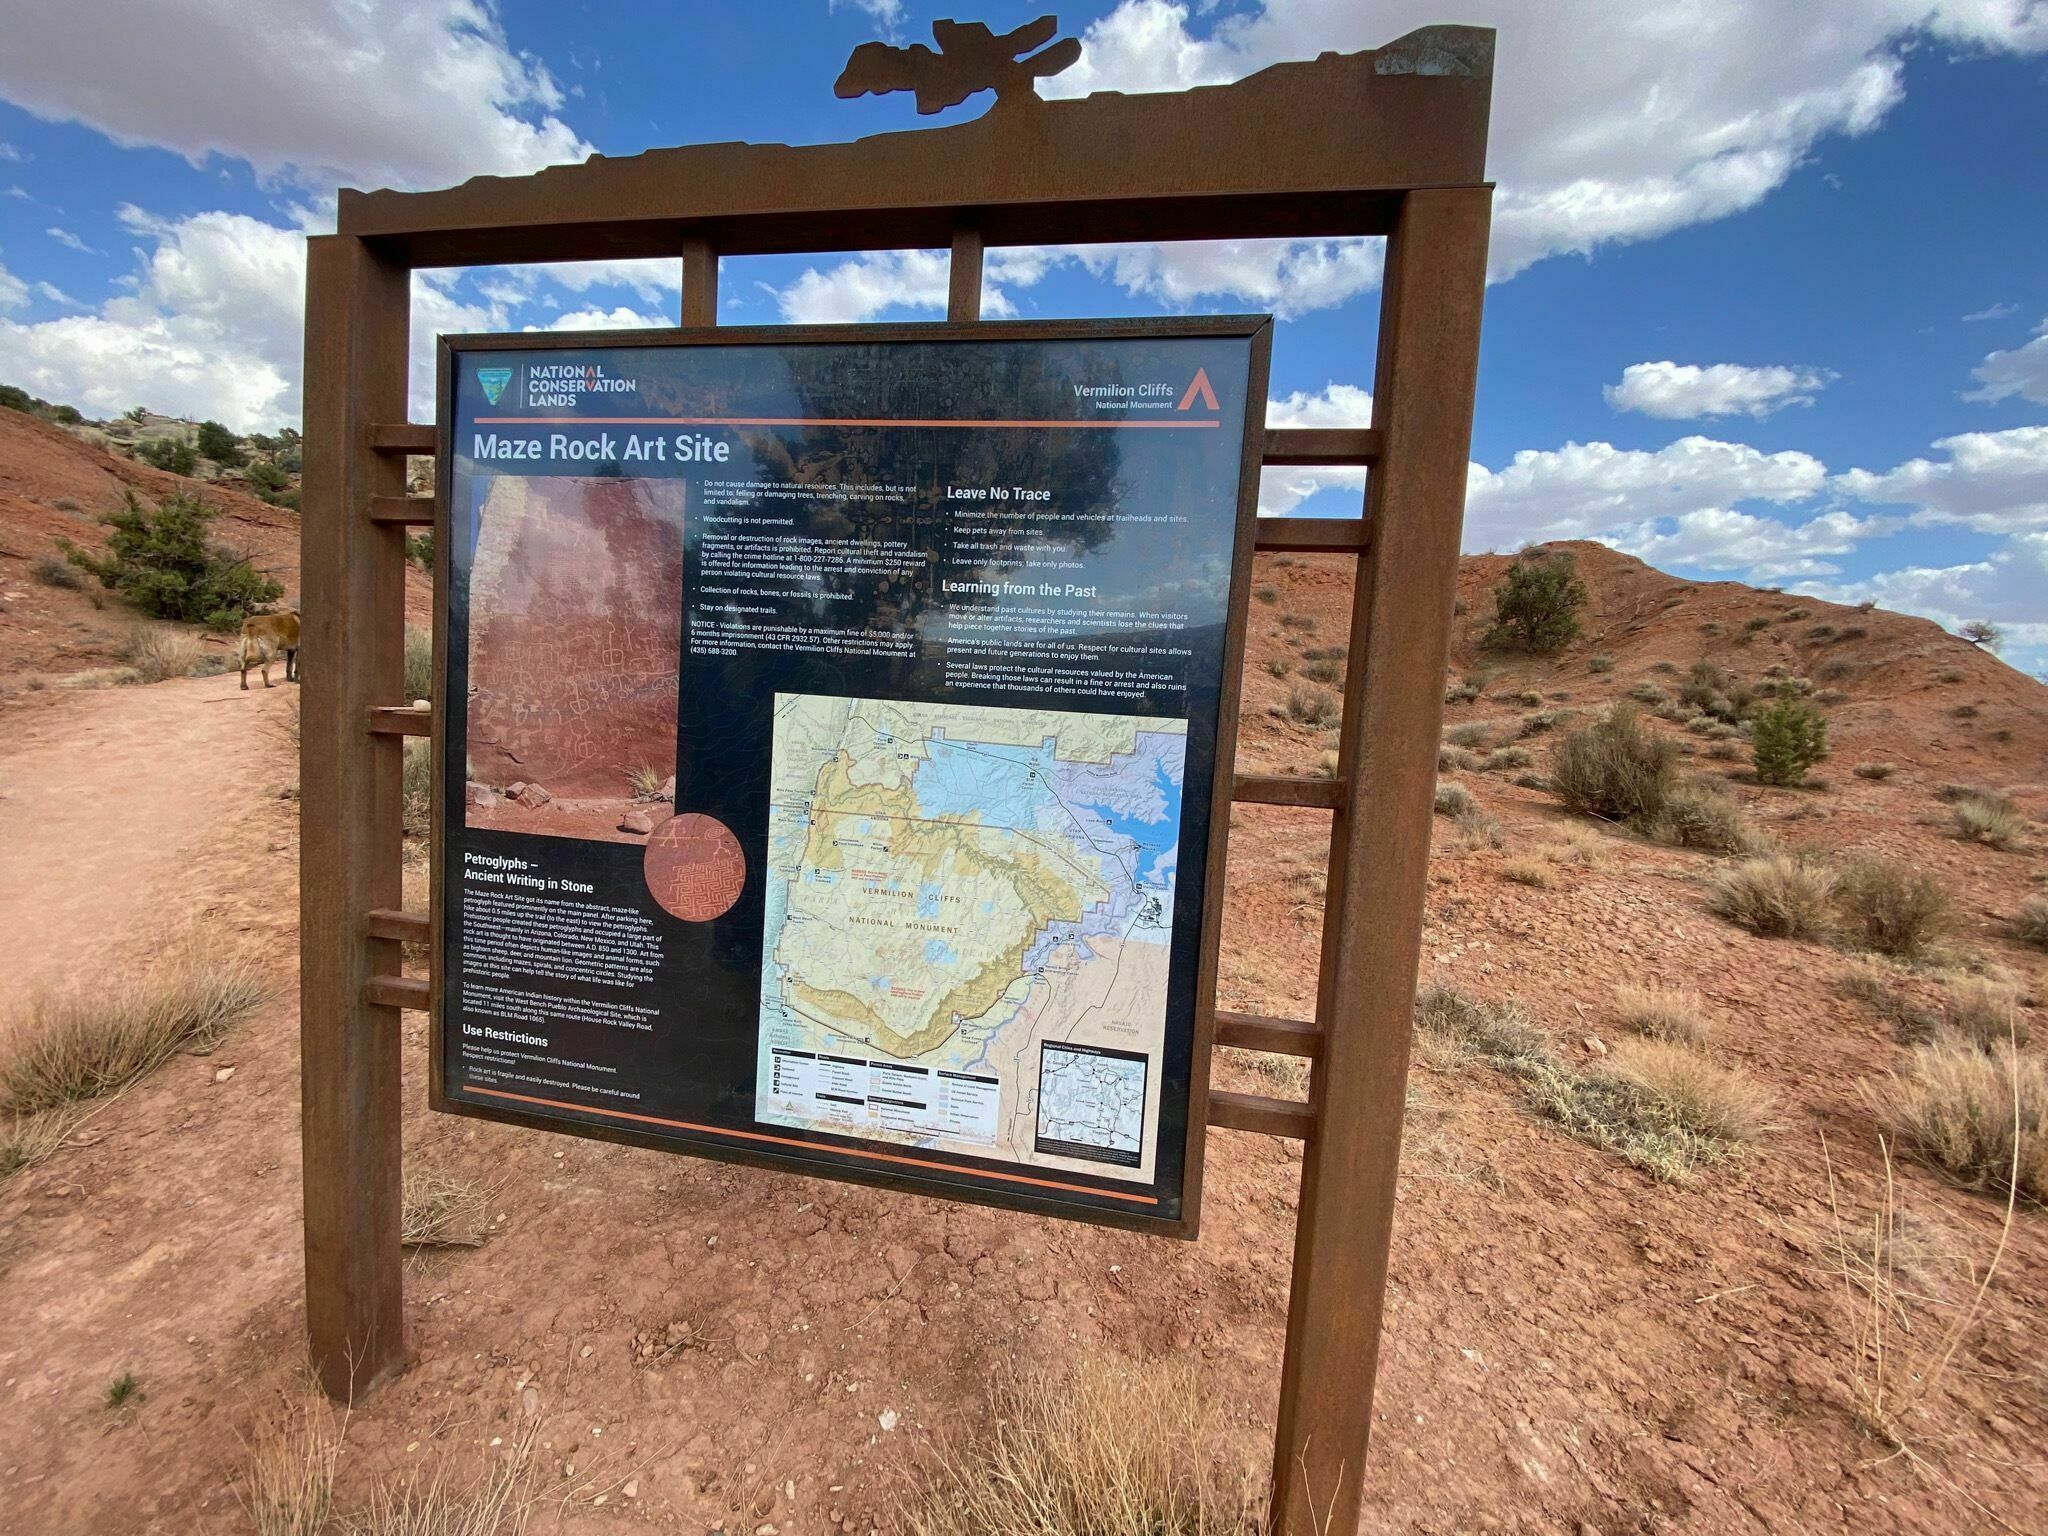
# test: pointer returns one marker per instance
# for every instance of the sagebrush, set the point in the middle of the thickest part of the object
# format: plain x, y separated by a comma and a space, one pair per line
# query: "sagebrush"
163, 560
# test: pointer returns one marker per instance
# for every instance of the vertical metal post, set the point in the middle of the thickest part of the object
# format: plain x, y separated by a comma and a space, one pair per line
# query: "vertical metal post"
1379, 855
963, 281
700, 282
353, 602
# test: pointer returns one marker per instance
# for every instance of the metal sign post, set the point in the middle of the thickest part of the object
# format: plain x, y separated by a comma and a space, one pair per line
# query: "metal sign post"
1384, 143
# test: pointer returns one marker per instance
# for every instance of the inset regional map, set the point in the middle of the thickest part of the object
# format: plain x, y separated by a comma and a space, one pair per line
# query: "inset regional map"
969, 914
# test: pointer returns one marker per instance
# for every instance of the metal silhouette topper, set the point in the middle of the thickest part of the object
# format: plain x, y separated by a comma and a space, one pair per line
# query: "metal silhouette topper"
970, 58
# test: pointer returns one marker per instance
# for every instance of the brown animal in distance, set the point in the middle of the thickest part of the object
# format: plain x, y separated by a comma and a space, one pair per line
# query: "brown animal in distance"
265, 637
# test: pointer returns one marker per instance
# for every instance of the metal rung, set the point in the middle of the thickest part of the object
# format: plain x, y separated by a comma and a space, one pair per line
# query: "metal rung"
1256, 1112
1280, 1037
397, 992
389, 721
1288, 789
1322, 445
1314, 535
390, 923
403, 437
403, 511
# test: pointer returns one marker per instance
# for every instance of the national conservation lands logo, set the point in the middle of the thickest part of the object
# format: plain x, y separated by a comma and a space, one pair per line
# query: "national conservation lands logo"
557, 385
494, 381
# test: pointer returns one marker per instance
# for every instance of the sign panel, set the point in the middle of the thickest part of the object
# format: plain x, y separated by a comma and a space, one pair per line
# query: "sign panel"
840, 745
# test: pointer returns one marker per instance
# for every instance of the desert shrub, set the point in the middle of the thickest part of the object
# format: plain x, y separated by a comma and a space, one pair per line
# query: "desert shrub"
419, 664
2030, 923
163, 562
1661, 1013
1694, 815
1527, 871
416, 785
1506, 757
1305, 622
1613, 768
1874, 771
1755, 624
1536, 605
1961, 1111
1695, 1094
1964, 712
1881, 986
1266, 592
419, 551
267, 478
1099, 1449
1455, 1026
1279, 666
1309, 705
54, 572
1788, 738
1460, 693
98, 1038
1453, 800
173, 454
1322, 671
436, 1211
1477, 829
1543, 720
95, 678
1326, 653
1601, 662
217, 443
1476, 736
1450, 758
1528, 698
157, 653
14, 398
1891, 907
1986, 1013
1620, 1114
1647, 692
1985, 816
26, 1140
1724, 751
1530, 781
1776, 895
1706, 687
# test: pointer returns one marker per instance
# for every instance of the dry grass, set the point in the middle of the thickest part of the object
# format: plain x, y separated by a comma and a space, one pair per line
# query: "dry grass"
1985, 816
1449, 757
26, 1140
1893, 908
443, 1212
1697, 815
1661, 1013
416, 785
1287, 1075
1696, 1095
646, 781
95, 678
1881, 987
1105, 1449
1974, 1116
1580, 846
1312, 706
419, 664
1775, 895
497, 1501
1478, 830
1528, 871
157, 652
2030, 923
1454, 1028
1454, 800
1875, 771
288, 1489
1986, 1013
96, 1039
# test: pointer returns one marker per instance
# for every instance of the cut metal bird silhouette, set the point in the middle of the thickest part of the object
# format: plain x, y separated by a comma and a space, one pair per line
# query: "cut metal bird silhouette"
970, 58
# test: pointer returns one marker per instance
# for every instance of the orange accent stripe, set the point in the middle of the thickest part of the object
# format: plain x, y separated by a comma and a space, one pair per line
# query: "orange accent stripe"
812, 1146
796, 421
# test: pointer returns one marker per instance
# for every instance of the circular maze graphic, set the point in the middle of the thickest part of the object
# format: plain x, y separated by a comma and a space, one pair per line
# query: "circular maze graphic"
695, 868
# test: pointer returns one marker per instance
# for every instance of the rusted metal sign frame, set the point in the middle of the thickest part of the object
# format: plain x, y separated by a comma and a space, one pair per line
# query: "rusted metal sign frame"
1256, 332
1389, 142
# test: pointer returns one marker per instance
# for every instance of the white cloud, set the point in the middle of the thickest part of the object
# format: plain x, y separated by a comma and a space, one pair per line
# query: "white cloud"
1991, 312
1583, 489
2022, 371
20, 192
1683, 391
1335, 405
13, 291
2005, 587
1763, 548
56, 295
886, 13
1605, 125
1289, 277
213, 326
863, 287
10, 154
374, 92
65, 238
651, 280
1993, 482
617, 319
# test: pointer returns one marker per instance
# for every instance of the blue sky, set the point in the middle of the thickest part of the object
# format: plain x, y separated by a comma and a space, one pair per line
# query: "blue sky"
1770, 295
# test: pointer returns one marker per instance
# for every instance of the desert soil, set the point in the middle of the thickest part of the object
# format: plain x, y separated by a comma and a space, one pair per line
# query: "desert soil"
1570, 1346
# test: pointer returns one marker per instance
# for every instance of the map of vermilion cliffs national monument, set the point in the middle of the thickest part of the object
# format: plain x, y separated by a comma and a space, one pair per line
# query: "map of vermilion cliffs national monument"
575, 601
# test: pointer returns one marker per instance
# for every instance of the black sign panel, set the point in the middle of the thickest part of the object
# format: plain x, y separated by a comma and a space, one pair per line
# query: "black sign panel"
832, 777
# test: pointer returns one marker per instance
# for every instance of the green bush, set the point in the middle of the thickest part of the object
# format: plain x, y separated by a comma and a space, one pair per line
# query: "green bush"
15, 398
267, 478
163, 563
1536, 605
169, 453
1613, 768
1789, 738
217, 443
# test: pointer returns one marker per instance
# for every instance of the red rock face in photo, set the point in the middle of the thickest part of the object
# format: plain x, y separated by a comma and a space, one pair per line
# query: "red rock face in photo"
575, 605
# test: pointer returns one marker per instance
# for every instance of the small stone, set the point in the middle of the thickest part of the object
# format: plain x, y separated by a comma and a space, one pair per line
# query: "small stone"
645, 819
587, 1351
766, 1528
481, 796
532, 796
887, 1419
223, 1074
515, 789
529, 1403
668, 789
1595, 1046
632, 1489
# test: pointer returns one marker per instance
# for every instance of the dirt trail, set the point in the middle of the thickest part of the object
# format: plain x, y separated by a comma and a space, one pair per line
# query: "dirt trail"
127, 814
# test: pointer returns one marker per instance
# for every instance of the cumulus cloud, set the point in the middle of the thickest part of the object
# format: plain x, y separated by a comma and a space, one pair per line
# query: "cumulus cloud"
375, 92
2005, 587
1622, 137
1684, 391
2022, 371
13, 291
1283, 489
865, 286
213, 327
1993, 482
1289, 277
619, 318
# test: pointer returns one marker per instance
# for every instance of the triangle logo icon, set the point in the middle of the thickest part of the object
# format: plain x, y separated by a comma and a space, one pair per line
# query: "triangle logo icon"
1198, 389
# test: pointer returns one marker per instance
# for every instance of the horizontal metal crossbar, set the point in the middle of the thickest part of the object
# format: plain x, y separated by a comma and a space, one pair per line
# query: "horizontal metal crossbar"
1321, 445
1255, 1112
1288, 789
1315, 535
403, 437
1280, 1037
391, 923
403, 511
401, 721
408, 992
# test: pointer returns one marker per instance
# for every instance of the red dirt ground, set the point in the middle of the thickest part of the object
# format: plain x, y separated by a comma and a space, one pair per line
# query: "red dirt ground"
1570, 1346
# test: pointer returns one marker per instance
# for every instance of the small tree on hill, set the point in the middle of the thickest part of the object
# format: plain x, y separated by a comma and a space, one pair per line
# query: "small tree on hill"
1788, 738
1982, 632
217, 443
163, 563
1536, 605
169, 453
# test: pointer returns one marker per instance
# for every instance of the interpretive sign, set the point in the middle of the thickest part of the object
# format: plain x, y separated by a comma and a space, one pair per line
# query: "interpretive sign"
838, 745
